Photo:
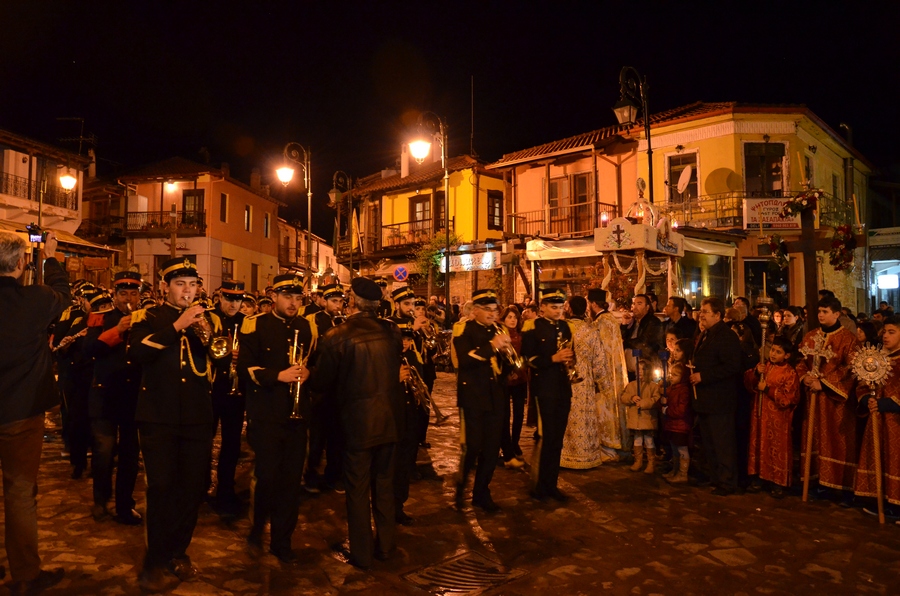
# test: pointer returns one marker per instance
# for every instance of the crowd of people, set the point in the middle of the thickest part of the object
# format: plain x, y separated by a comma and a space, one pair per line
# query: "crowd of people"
334, 391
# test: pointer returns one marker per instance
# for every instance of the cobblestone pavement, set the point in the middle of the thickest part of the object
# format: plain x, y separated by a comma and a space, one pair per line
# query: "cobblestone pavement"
621, 533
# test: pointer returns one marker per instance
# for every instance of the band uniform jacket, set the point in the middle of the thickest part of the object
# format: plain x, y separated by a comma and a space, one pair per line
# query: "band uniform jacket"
116, 379
71, 317
266, 341
719, 360
176, 368
481, 379
539, 343
27, 387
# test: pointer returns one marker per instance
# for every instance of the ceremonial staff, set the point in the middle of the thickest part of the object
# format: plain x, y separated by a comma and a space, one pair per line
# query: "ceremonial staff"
818, 351
872, 366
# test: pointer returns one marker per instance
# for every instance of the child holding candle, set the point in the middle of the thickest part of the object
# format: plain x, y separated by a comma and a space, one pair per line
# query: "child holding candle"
641, 397
679, 420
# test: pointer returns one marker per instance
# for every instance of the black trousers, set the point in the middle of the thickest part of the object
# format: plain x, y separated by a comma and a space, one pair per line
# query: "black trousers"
76, 392
429, 374
483, 432
554, 417
407, 450
280, 450
107, 434
510, 438
370, 471
717, 433
176, 457
229, 411
325, 438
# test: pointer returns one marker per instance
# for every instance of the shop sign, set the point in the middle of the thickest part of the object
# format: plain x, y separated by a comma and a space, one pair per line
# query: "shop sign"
483, 261
768, 212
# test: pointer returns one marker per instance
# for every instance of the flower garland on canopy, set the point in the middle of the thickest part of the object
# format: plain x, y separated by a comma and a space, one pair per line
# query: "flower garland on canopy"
779, 250
808, 199
842, 246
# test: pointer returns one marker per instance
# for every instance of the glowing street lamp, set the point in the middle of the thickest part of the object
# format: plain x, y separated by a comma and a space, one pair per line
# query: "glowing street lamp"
67, 181
299, 155
285, 175
633, 97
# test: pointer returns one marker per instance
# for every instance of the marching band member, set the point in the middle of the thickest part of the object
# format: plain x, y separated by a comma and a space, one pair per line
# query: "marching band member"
265, 305
113, 399
171, 342
429, 368
481, 398
385, 305
277, 413
316, 303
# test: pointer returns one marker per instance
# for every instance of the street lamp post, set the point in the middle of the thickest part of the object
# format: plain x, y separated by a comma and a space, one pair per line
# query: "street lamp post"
296, 153
633, 95
67, 181
419, 148
342, 180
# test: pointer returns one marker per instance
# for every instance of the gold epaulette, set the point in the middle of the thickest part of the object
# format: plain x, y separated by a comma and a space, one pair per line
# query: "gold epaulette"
216, 322
528, 325
571, 327
311, 319
249, 324
138, 315
66, 314
459, 327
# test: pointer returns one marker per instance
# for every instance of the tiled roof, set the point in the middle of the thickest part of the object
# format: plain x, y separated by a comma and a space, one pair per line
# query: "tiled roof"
423, 175
174, 167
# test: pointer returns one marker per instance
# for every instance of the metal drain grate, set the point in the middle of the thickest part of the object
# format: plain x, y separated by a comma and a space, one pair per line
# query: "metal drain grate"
466, 574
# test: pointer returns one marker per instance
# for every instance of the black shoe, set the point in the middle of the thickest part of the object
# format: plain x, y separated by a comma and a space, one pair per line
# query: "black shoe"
254, 546
45, 579
442, 420
129, 518
425, 445
404, 519
721, 491
487, 504
77, 472
558, 495
183, 569
538, 496
459, 497
156, 580
99, 512
754, 487
336, 486
777, 492
286, 556
344, 555
382, 555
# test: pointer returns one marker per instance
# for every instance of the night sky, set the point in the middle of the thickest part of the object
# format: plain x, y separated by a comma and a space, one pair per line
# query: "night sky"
158, 79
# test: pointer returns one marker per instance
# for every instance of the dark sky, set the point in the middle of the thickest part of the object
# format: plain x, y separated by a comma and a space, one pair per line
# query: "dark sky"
156, 79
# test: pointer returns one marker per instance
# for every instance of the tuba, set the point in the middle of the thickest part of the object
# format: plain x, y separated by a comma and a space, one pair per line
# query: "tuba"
416, 385
515, 360
571, 365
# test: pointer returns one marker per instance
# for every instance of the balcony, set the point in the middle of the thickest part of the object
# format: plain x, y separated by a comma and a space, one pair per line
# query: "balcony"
290, 257
726, 210
105, 230
57, 196
160, 223
571, 221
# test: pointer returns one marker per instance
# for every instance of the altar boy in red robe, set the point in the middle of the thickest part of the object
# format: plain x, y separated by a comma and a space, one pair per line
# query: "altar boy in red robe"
776, 384
887, 402
834, 430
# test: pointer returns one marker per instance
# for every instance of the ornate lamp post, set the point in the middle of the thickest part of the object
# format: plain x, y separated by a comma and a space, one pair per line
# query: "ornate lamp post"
428, 124
299, 155
341, 182
633, 96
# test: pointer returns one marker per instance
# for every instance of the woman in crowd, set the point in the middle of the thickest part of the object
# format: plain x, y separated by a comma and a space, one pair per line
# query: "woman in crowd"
517, 387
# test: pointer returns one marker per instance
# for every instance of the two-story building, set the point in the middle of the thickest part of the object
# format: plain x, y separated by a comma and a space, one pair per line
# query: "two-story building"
185, 208
293, 257
42, 184
716, 166
396, 212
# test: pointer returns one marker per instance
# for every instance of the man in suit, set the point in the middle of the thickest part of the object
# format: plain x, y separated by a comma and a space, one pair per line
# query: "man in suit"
716, 369
683, 327
641, 331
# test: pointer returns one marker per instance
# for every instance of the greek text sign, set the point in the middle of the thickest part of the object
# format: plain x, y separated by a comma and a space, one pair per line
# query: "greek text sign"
766, 211
472, 262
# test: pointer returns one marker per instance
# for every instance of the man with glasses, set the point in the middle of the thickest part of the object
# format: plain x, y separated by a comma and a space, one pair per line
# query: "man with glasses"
715, 369
480, 397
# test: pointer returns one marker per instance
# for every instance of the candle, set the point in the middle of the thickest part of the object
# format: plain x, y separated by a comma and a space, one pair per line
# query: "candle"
856, 209
764, 284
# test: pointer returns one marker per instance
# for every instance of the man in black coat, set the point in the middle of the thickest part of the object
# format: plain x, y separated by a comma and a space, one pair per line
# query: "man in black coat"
480, 396
113, 400
358, 366
683, 327
171, 343
641, 331
276, 433
27, 390
715, 374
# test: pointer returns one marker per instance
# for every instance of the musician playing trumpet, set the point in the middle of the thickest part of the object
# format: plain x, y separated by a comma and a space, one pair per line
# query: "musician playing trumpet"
481, 398
268, 343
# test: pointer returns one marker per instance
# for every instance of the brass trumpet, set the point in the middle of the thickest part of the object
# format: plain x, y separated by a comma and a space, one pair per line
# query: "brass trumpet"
571, 366
416, 385
295, 356
218, 346
509, 352
232, 371
429, 336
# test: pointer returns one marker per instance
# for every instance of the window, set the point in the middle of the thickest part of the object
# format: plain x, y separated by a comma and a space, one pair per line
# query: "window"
439, 213
559, 192
420, 213
808, 169
764, 169
227, 268
677, 165
247, 217
836, 186
266, 225
192, 199
254, 277
495, 209
223, 208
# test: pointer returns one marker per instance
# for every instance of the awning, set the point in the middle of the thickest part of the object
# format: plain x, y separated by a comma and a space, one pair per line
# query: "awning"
547, 250
708, 247
61, 236
884, 253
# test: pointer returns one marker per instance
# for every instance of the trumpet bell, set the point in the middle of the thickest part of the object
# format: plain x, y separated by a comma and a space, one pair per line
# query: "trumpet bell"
220, 347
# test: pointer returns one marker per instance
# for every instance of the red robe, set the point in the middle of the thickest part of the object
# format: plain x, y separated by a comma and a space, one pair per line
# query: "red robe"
834, 432
771, 454
890, 441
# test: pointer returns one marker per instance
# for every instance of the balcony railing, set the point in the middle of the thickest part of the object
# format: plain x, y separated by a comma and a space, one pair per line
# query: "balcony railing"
726, 210
17, 186
102, 228
569, 221
161, 223
290, 256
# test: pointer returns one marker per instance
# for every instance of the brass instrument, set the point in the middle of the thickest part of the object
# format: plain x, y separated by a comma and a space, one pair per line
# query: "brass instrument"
218, 346
429, 337
295, 356
508, 351
232, 371
571, 366
416, 385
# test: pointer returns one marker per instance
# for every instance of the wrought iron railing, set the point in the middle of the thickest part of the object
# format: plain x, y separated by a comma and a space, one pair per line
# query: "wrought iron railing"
102, 228
161, 223
570, 220
17, 186
408, 233
726, 210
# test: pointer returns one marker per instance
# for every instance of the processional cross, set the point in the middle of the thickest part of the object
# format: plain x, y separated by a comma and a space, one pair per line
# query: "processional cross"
818, 351
618, 231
